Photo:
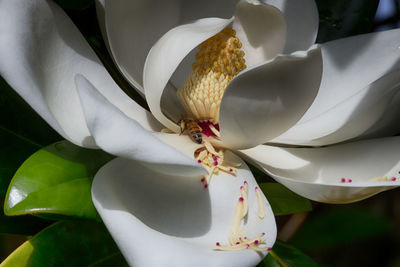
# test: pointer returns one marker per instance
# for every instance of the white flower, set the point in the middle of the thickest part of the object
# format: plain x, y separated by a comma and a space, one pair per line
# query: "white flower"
150, 198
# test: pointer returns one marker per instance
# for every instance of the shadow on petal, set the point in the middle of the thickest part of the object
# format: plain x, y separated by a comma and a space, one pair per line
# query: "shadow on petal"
172, 205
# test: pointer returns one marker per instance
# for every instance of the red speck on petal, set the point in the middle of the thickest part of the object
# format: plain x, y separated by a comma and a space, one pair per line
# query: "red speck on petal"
349, 180
262, 234
394, 178
199, 161
343, 180
206, 186
218, 244
230, 170
241, 199
203, 179
237, 243
247, 245
215, 163
269, 249
256, 242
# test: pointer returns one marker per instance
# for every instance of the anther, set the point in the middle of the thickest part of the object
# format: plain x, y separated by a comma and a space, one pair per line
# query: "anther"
261, 212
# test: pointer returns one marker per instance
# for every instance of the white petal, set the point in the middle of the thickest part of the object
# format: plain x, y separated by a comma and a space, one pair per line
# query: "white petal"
40, 52
261, 29
130, 21
352, 117
119, 135
302, 21
159, 220
165, 56
356, 72
316, 173
261, 103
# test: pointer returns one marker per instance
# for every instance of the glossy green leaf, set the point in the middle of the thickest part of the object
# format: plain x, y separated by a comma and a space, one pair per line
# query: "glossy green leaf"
343, 18
68, 243
21, 225
14, 149
340, 226
283, 201
284, 255
56, 180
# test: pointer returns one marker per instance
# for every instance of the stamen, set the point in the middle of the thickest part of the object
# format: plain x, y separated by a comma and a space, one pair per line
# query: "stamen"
261, 212
244, 190
385, 179
236, 229
218, 60
213, 160
214, 130
166, 130
210, 148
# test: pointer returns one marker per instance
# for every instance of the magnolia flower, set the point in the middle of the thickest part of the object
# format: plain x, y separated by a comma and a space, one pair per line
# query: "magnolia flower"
314, 120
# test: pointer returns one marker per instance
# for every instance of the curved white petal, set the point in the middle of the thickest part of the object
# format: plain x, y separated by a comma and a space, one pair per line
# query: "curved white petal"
316, 173
127, 22
363, 111
165, 56
261, 29
263, 102
40, 52
119, 135
354, 69
388, 124
302, 21
160, 220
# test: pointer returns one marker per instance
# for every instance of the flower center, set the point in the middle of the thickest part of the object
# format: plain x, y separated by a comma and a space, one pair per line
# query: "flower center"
218, 60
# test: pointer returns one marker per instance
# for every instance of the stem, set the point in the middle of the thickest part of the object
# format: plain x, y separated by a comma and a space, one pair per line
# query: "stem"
292, 226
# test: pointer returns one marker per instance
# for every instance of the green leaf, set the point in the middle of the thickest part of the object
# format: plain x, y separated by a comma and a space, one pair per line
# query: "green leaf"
336, 227
283, 201
283, 255
19, 119
56, 180
21, 225
14, 149
68, 243
343, 18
